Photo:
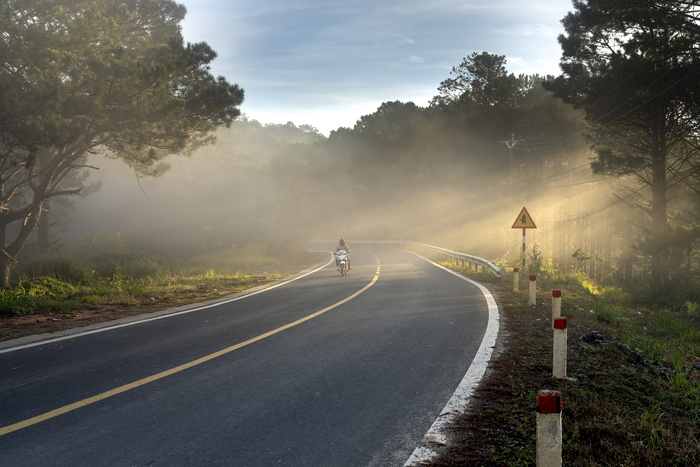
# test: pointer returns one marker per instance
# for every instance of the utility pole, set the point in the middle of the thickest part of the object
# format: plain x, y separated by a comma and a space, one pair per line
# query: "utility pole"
511, 144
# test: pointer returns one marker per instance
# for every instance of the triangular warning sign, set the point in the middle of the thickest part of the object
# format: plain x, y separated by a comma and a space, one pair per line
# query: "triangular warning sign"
524, 221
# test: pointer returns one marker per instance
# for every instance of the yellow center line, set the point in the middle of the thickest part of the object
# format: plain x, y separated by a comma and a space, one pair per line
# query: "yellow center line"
91, 400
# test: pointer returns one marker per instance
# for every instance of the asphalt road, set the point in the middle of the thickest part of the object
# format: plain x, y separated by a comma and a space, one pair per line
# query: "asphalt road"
288, 376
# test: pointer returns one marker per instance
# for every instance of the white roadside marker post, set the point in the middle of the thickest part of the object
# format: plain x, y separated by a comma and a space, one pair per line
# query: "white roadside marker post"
516, 279
559, 352
549, 432
533, 291
556, 305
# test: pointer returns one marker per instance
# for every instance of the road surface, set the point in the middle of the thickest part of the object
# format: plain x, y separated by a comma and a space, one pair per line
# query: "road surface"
321, 371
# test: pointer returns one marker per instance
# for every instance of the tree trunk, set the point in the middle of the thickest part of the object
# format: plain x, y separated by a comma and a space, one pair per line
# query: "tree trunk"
5, 260
44, 231
659, 268
9, 252
6, 269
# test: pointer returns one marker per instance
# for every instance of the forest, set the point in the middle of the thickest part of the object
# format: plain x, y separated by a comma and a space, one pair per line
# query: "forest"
604, 156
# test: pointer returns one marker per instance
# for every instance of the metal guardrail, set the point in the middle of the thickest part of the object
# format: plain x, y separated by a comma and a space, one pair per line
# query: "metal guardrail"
476, 261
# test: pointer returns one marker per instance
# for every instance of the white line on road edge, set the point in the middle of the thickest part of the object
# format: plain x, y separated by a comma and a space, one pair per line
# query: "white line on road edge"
436, 437
72, 333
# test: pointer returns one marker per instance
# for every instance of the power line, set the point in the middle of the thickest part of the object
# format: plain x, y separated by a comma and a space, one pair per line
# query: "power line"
583, 183
619, 199
556, 142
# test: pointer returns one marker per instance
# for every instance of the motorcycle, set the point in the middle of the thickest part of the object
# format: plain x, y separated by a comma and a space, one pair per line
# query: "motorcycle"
341, 261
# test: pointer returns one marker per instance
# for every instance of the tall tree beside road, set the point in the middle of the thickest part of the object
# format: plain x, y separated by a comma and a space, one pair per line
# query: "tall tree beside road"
489, 105
483, 80
634, 68
81, 77
480, 100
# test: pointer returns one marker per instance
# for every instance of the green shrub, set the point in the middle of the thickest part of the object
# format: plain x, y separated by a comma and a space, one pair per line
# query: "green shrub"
692, 308
103, 240
614, 294
132, 264
39, 293
61, 267
47, 287
536, 262
16, 302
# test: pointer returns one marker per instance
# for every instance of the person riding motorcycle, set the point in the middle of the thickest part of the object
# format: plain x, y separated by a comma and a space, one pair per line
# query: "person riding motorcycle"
343, 246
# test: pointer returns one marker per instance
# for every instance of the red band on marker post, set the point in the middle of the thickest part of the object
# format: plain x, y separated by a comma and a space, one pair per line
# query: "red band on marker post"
549, 401
556, 293
516, 269
533, 278
560, 323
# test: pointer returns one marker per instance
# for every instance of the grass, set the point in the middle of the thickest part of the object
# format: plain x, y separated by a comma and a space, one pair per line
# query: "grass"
28, 299
190, 283
618, 410
44, 304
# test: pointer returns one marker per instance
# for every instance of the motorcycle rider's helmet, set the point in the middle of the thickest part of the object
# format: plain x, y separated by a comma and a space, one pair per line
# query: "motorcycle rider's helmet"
342, 241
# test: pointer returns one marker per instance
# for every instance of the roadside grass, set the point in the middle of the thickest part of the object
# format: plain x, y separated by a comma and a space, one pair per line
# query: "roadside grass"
191, 281
633, 400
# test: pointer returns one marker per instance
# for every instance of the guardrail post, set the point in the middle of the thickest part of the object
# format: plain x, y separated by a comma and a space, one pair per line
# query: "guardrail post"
549, 447
533, 291
516, 279
559, 350
556, 305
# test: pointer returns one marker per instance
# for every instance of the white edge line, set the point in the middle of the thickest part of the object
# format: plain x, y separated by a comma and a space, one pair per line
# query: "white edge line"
436, 436
165, 313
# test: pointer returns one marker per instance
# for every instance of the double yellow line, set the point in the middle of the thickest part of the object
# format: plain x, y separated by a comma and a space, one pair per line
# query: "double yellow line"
91, 400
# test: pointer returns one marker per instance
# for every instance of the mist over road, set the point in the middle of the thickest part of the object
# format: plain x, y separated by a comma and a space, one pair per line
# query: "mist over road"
357, 384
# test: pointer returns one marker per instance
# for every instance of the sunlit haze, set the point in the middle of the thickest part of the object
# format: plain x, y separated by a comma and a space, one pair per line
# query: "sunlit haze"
433, 178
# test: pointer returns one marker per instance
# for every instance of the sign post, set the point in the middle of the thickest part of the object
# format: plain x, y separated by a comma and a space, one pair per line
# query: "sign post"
524, 221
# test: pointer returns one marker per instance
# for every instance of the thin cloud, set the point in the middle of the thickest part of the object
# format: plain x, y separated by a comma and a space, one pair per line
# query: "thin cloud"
293, 55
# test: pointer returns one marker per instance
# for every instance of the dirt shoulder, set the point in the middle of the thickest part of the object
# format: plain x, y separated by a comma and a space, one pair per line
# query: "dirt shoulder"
53, 322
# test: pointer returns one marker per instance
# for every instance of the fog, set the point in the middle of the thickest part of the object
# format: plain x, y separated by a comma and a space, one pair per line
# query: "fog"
285, 184
221, 195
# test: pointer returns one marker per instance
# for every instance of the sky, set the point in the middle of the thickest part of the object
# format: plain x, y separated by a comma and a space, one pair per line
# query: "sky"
326, 63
